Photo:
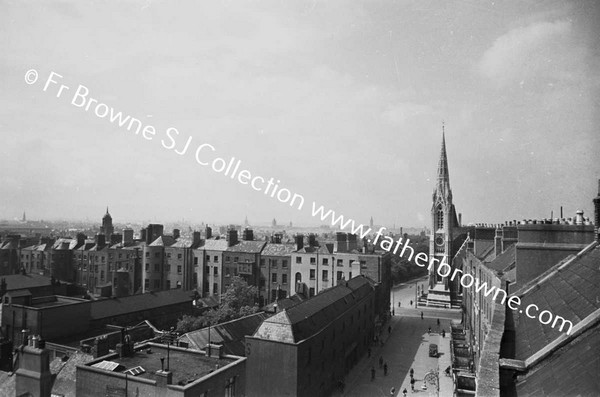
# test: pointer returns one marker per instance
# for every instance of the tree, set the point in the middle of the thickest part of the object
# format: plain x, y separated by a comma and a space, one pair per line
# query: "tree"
237, 301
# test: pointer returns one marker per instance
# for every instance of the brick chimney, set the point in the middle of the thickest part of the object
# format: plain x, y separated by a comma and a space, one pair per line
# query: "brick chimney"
597, 213
100, 240
299, 238
176, 233
232, 237
352, 243
498, 241
127, 236
341, 242
33, 378
312, 240
208, 232
248, 234
196, 239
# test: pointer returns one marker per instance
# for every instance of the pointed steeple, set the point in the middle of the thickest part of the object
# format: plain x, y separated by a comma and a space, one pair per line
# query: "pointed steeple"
442, 189
443, 163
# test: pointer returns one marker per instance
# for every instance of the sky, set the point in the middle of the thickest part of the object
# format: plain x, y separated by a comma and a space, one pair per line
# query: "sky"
341, 101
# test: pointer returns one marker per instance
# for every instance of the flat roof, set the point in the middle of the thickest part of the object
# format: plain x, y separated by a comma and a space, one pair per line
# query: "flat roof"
186, 365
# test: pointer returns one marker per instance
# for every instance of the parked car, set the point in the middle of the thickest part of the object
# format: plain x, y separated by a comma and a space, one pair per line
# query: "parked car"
433, 350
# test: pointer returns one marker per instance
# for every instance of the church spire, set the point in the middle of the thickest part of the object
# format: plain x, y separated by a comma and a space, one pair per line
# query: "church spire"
443, 163
442, 189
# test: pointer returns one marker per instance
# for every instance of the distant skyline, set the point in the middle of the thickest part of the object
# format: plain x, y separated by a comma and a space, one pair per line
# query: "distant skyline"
342, 102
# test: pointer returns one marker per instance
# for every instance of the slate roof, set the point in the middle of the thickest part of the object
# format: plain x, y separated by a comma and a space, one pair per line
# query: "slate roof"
303, 320
65, 372
230, 334
273, 249
504, 260
185, 242
571, 371
25, 281
215, 245
569, 289
326, 249
250, 247
163, 241
483, 248
130, 304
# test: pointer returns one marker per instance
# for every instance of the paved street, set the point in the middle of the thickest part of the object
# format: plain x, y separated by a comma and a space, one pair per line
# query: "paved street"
406, 347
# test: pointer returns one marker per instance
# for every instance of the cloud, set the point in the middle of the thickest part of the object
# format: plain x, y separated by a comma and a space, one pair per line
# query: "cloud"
525, 52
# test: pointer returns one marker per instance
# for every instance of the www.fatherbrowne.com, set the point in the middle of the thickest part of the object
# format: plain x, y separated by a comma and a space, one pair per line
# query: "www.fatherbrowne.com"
421, 259
81, 98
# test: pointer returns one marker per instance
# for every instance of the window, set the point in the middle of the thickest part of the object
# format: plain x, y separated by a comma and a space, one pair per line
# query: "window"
102, 275
325, 261
179, 269
146, 284
215, 288
230, 387
207, 270
312, 274
273, 295
313, 261
147, 254
298, 277
340, 262
440, 217
208, 258
273, 277
157, 255
298, 259
168, 268
311, 292
325, 275
216, 271
284, 279
168, 254
340, 275
157, 267
179, 256
363, 264
195, 260
235, 259
156, 284
216, 259
168, 284
261, 282
284, 263
349, 275
262, 262
274, 262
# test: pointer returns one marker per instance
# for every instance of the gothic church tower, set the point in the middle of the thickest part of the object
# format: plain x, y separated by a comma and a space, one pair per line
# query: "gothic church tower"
443, 221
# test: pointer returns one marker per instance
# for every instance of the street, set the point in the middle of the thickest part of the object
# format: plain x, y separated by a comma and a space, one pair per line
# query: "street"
406, 347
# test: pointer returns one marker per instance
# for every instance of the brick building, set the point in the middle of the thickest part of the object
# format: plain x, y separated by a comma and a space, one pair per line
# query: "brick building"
306, 349
275, 280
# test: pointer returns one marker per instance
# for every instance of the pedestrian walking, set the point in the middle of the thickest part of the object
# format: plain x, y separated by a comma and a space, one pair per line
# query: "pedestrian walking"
412, 384
443, 333
438, 322
429, 331
404, 392
372, 373
380, 361
411, 303
385, 368
389, 329
412, 372
421, 315
392, 391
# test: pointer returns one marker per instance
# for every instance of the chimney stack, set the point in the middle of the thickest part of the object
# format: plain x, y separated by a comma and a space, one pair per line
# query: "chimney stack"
127, 237
208, 232
100, 240
33, 378
176, 233
232, 237
196, 239
498, 241
312, 240
352, 243
341, 242
248, 234
579, 217
299, 241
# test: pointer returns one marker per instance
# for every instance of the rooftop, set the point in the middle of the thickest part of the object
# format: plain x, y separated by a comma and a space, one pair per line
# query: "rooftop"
306, 318
186, 365
274, 249
117, 306
251, 247
568, 289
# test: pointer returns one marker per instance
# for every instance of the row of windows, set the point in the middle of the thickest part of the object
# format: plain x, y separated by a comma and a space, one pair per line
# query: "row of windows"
274, 262
325, 274
325, 261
